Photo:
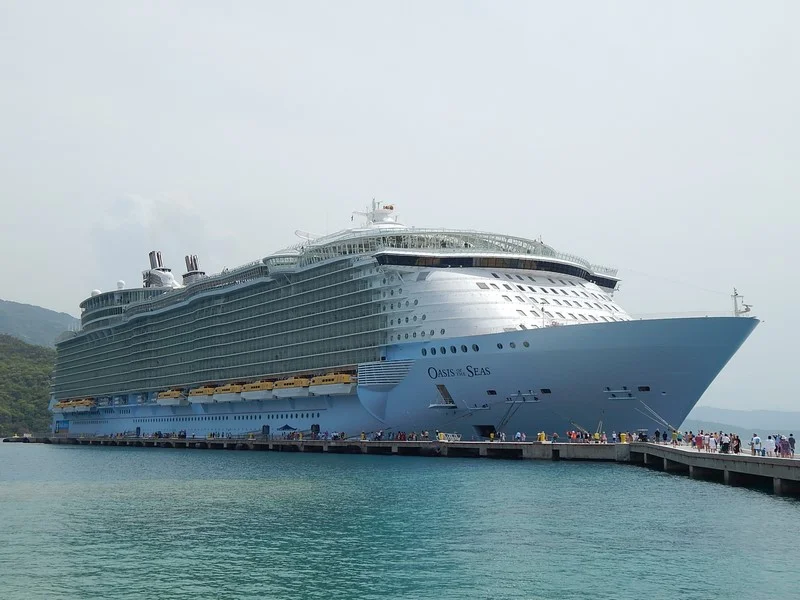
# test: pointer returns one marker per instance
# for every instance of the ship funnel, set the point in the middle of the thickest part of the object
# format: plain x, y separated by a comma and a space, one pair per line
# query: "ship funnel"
152, 257
159, 259
193, 272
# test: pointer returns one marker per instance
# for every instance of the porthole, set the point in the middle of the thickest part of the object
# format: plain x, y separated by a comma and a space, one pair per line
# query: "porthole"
432, 332
415, 317
391, 292
384, 281
433, 351
453, 349
443, 350
423, 334
414, 334
526, 344
391, 306
406, 336
406, 319
442, 331
391, 322
499, 346
512, 344
475, 348
406, 302
463, 348
424, 317
400, 291
416, 302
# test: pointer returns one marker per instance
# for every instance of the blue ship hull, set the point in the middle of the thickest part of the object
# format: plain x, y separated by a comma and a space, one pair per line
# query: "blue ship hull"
613, 376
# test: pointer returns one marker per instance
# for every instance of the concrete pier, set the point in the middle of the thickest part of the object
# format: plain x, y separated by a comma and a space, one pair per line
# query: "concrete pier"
462, 449
780, 475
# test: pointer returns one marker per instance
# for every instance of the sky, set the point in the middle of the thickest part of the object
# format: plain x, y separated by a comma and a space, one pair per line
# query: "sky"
662, 138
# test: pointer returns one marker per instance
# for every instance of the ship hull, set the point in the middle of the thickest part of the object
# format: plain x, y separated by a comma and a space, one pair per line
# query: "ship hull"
608, 376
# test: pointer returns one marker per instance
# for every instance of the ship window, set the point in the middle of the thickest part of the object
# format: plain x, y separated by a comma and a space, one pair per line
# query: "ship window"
519, 277
532, 299
551, 281
519, 298
424, 352
593, 318
482, 285
442, 331
499, 346
422, 334
494, 285
496, 275
463, 348
507, 275
475, 348
506, 298
526, 344
521, 288
534, 313
415, 317
567, 303
574, 293
563, 282
491, 392
546, 391
548, 314
560, 315
644, 388
565, 292
556, 301
416, 302
513, 345
572, 316
583, 316
544, 301
443, 350
406, 319
521, 312
433, 351
424, 317
453, 349
508, 287
545, 290
531, 278
432, 332
406, 336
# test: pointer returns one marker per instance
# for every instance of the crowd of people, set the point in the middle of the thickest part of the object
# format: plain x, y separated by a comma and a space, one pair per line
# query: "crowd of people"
729, 443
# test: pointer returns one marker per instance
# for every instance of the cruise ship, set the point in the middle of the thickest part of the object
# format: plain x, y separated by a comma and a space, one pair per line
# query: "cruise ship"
384, 327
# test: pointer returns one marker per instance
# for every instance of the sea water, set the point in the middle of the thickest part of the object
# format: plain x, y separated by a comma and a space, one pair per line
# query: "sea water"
107, 522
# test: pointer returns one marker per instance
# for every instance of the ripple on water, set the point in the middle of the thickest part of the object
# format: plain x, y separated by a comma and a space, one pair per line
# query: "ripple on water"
139, 523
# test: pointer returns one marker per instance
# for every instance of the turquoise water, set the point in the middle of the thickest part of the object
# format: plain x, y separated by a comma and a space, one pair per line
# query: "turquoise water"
94, 522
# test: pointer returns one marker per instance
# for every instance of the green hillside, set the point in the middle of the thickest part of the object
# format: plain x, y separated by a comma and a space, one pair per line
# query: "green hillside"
24, 386
33, 324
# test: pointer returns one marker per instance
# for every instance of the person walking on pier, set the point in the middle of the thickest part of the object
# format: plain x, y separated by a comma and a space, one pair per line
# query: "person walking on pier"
755, 445
791, 445
769, 446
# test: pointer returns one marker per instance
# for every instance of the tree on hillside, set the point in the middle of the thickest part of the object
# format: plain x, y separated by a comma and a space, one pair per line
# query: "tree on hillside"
25, 372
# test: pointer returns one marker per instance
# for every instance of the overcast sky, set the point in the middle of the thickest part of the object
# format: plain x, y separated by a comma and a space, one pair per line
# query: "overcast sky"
658, 137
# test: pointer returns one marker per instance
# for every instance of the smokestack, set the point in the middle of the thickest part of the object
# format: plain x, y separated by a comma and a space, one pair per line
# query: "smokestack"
159, 260
195, 263
188, 260
152, 257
